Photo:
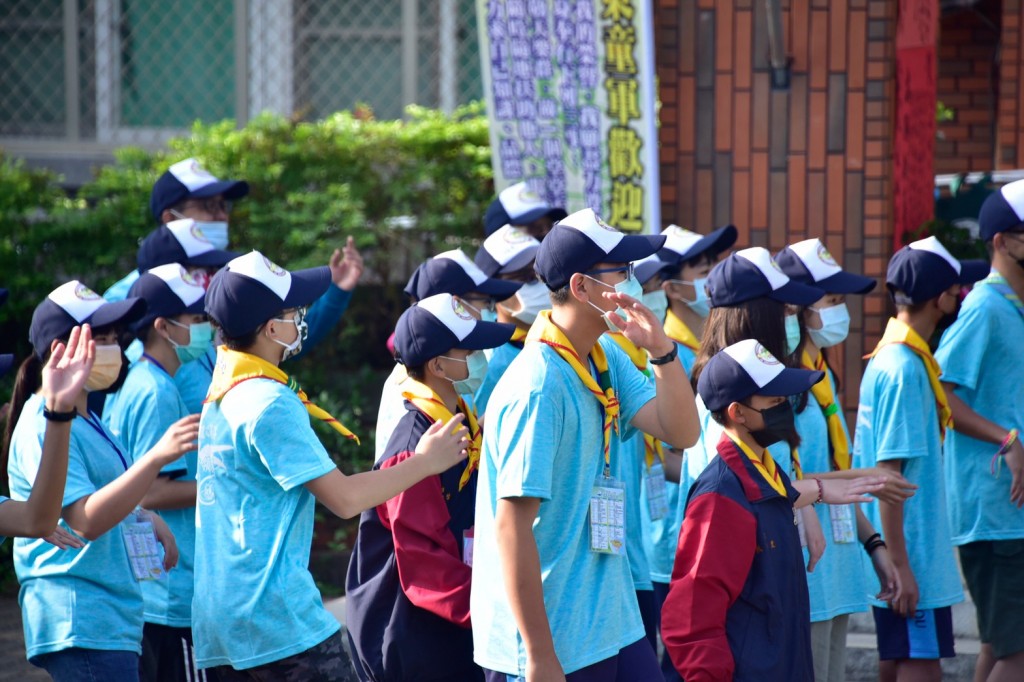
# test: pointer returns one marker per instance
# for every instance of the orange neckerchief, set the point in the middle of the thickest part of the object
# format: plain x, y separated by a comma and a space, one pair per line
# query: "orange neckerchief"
518, 336
234, 367
899, 332
677, 330
838, 442
766, 467
545, 331
428, 402
652, 446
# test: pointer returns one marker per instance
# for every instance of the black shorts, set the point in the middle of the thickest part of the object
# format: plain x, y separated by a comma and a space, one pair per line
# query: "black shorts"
326, 662
994, 572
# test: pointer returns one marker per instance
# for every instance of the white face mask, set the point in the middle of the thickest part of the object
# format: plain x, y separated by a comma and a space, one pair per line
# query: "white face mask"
301, 328
533, 298
835, 326
657, 301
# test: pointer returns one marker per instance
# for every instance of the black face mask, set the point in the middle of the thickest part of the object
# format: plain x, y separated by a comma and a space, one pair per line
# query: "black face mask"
779, 425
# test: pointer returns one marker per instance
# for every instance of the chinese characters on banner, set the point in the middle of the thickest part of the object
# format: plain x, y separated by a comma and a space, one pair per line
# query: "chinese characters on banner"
570, 98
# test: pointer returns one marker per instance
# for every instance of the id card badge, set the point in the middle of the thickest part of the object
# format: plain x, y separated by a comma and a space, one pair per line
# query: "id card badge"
143, 552
657, 492
467, 546
608, 517
798, 519
843, 529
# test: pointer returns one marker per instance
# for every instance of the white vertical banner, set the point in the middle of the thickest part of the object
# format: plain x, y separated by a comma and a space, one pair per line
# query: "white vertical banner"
570, 91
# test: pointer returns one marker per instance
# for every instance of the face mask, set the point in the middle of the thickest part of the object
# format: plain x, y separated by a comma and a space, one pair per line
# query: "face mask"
216, 232
200, 335
631, 287
792, 334
488, 316
106, 368
295, 347
700, 304
835, 326
533, 298
476, 365
657, 301
778, 424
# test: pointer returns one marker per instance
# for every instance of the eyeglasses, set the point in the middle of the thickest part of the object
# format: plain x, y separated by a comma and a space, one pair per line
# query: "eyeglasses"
482, 303
212, 206
626, 270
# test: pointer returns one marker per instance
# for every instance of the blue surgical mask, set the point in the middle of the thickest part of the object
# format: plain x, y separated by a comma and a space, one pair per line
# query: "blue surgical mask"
835, 326
533, 298
476, 365
488, 315
657, 301
630, 286
200, 336
792, 334
216, 232
700, 304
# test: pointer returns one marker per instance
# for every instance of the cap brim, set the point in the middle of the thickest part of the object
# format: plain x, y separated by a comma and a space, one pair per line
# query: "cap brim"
846, 283
795, 293
972, 271
647, 269
307, 286
6, 363
791, 382
498, 288
487, 335
197, 308
634, 247
716, 242
231, 189
215, 258
118, 312
529, 216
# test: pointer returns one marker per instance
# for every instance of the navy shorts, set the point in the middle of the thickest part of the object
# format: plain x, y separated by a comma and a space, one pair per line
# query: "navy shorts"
929, 634
635, 663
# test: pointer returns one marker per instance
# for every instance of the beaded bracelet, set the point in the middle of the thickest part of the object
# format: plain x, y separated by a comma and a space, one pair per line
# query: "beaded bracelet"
821, 491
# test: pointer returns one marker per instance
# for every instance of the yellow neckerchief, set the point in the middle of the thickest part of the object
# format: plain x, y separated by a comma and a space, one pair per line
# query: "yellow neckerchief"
234, 367
677, 330
652, 446
766, 467
545, 331
428, 402
838, 442
899, 332
518, 336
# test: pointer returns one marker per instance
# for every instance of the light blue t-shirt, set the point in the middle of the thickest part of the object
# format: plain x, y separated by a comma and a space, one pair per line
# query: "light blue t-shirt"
661, 536
977, 354
838, 584
139, 414
497, 363
255, 601
544, 440
86, 598
898, 420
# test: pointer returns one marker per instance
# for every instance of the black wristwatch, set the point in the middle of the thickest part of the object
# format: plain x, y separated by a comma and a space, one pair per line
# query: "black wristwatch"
667, 357
62, 417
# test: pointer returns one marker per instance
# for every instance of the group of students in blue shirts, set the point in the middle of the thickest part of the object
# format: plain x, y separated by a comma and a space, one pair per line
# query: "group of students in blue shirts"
595, 448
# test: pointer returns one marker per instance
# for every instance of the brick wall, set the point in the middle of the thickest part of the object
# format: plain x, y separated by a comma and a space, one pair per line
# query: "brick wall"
1010, 121
968, 47
784, 165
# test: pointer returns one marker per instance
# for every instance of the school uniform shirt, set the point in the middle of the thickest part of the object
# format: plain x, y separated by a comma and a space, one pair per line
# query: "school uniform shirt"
898, 420
543, 439
390, 410
138, 415
976, 354
83, 598
838, 584
255, 601
660, 536
497, 363
737, 606
407, 588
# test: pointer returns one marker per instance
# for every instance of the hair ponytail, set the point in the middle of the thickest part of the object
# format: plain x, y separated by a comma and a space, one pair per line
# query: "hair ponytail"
28, 381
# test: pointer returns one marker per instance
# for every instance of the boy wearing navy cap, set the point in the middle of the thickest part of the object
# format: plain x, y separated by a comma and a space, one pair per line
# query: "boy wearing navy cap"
520, 206
261, 468
737, 605
407, 608
985, 388
552, 593
173, 331
903, 419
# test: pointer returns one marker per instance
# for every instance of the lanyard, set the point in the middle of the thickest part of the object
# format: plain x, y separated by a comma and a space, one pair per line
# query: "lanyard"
103, 434
149, 358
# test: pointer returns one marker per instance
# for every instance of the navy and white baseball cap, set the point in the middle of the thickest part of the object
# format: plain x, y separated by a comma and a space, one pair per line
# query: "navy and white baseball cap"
439, 323
180, 241
646, 268
751, 273
168, 290
581, 240
518, 205
188, 180
509, 249
452, 272
73, 304
811, 263
251, 289
1003, 211
683, 245
922, 270
746, 369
